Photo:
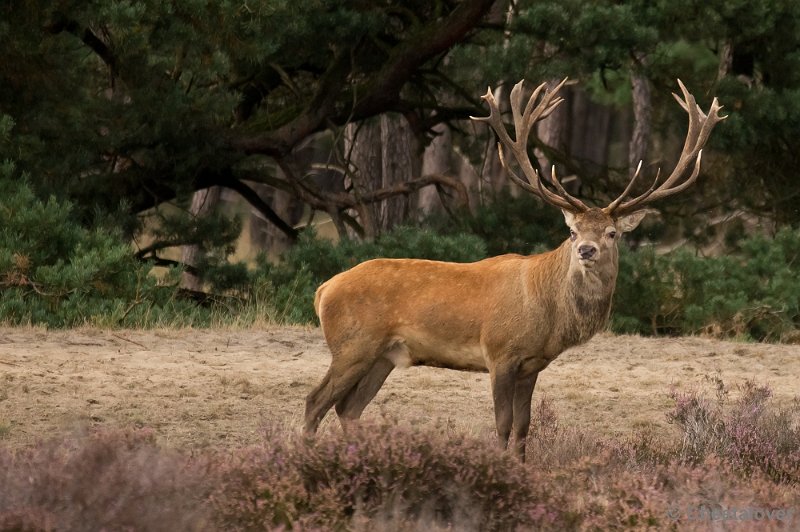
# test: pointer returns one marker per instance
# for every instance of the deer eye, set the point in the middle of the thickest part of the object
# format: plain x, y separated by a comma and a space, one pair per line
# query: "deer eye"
572, 235
612, 234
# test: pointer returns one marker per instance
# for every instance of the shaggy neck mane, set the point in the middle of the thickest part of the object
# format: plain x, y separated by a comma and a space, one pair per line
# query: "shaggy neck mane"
582, 298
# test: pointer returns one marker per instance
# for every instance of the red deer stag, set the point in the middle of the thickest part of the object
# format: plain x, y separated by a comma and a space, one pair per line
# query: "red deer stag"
509, 315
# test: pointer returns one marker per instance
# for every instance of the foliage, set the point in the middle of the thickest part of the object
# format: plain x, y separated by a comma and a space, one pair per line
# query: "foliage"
313, 261
738, 454
118, 107
753, 293
54, 271
155, 100
507, 224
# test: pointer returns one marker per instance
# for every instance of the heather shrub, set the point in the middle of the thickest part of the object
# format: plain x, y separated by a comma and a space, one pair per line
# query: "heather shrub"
745, 432
103, 481
552, 444
384, 477
384, 473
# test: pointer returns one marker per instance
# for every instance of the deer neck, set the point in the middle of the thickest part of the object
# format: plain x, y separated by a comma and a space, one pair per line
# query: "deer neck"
586, 294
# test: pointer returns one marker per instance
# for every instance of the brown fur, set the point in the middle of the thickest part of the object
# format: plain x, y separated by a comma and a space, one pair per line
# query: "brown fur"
509, 315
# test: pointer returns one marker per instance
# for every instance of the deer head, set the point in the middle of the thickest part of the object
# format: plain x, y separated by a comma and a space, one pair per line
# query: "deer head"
594, 232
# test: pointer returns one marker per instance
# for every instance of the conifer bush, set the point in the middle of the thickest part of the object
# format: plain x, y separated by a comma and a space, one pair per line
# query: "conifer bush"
507, 224
55, 272
752, 293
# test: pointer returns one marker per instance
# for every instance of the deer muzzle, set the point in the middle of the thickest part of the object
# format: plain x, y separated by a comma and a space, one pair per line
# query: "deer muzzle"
587, 251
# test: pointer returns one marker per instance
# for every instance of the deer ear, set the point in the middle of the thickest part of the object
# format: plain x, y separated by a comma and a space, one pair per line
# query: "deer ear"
569, 217
629, 222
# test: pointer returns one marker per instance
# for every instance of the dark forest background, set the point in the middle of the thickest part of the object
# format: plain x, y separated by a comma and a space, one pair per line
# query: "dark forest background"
188, 162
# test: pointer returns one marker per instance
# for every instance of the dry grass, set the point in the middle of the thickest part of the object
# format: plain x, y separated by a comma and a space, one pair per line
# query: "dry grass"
207, 387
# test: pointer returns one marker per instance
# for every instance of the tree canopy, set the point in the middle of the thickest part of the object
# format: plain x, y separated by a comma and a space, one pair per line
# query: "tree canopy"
121, 106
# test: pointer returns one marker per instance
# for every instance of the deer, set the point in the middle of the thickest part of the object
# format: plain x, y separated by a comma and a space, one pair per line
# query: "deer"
509, 315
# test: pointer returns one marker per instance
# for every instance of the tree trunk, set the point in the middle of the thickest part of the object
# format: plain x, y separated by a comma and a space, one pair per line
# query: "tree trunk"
363, 156
642, 111
437, 159
264, 236
401, 162
725, 60
553, 130
590, 135
203, 202
493, 177
381, 153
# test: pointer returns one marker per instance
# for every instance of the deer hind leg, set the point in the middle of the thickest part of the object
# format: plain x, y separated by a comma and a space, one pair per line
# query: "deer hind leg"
345, 373
315, 403
523, 393
350, 407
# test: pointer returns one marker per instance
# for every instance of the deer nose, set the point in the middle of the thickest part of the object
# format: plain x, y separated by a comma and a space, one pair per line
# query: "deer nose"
586, 251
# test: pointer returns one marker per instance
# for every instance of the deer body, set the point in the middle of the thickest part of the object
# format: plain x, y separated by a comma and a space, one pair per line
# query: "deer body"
509, 315
508, 302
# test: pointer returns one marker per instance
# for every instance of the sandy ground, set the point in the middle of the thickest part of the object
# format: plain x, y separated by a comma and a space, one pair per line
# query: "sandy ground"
212, 387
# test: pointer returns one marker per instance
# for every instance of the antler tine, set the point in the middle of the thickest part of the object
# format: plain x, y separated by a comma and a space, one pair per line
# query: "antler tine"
535, 109
538, 189
525, 185
631, 205
700, 127
532, 100
613, 205
575, 202
494, 119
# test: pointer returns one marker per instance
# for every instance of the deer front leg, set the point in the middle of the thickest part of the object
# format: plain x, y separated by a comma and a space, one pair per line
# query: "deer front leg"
523, 394
503, 378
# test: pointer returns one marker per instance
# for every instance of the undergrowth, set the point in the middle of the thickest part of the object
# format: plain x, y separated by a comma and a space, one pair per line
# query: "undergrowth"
731, 450
56, 272
752, 293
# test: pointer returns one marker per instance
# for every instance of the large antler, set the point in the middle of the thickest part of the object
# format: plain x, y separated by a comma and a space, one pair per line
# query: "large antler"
519, 147
700, 126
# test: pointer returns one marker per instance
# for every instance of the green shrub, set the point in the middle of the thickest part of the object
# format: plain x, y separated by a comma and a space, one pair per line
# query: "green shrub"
751, 294
508, 224
754, 293
55, 272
